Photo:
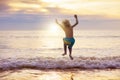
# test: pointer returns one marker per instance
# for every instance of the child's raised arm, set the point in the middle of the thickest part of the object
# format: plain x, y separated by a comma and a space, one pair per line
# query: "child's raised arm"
76, 21
59, 24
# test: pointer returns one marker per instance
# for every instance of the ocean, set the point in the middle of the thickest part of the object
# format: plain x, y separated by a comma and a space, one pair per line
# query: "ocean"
37, 55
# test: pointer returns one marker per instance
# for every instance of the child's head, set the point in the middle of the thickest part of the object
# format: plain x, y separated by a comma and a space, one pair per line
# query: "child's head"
66, 23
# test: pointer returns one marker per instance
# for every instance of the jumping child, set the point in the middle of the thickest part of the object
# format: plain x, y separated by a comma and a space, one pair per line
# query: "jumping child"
69, 39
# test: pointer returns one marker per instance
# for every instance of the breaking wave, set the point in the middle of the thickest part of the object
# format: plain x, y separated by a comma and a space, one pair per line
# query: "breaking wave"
60, 63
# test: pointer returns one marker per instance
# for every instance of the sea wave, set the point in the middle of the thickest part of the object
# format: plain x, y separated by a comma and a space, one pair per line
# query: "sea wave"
60, 63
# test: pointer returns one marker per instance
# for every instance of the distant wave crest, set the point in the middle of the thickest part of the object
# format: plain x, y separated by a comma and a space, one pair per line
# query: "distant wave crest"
60, 63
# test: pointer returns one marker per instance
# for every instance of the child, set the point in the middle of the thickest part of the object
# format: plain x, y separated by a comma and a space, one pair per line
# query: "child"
69, 39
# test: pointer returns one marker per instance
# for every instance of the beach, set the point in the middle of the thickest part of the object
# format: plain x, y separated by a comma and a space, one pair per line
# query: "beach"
36, 55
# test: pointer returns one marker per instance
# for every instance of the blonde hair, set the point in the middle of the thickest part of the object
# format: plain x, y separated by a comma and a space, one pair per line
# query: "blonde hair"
66, 23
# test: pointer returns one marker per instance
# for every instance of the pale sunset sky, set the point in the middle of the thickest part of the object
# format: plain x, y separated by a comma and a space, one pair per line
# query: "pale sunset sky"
40, 14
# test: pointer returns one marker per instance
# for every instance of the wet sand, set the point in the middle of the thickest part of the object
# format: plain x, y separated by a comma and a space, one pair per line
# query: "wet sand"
70, 74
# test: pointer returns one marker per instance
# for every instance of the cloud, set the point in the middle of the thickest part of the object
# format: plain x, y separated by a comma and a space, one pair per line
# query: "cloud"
31, 14
105, 8
3, 5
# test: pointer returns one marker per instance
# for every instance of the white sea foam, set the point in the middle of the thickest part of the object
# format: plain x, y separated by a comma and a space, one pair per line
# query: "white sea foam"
61, 63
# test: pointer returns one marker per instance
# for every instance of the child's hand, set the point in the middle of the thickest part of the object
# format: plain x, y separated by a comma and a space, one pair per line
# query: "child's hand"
75, 16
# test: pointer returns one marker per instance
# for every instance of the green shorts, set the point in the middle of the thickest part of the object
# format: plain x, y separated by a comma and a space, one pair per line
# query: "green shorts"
69, 41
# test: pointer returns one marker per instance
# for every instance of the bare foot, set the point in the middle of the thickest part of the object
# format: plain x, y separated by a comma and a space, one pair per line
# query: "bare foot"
71, 57
64, 54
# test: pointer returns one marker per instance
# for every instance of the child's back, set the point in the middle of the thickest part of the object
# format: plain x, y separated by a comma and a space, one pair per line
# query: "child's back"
68, 32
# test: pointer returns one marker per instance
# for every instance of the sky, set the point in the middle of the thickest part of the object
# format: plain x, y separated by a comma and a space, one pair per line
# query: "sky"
41, 14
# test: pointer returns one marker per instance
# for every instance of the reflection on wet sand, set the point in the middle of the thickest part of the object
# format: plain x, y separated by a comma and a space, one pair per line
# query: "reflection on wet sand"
28, 74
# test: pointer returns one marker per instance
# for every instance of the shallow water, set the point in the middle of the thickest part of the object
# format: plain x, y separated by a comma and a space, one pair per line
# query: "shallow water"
42, 43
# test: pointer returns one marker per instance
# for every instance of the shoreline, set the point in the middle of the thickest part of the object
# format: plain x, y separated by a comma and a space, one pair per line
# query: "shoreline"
60, 69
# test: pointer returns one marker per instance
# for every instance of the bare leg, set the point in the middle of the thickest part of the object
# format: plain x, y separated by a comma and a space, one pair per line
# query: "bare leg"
70, 53
65, 50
